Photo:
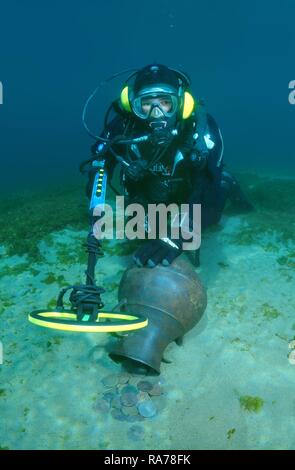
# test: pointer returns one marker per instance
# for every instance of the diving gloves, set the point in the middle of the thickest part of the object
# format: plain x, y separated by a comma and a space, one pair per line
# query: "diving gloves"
154, 252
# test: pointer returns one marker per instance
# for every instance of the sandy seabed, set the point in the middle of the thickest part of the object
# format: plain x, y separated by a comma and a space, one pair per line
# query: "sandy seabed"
229, 386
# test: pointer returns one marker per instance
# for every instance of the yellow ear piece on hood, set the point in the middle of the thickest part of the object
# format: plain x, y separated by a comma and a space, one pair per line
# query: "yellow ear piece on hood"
124, 97
188, 105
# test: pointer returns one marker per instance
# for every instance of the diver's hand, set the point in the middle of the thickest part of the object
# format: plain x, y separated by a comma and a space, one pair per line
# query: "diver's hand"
158, 251
136, 170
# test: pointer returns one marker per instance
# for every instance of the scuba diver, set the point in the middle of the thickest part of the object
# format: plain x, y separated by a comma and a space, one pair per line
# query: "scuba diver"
170, 150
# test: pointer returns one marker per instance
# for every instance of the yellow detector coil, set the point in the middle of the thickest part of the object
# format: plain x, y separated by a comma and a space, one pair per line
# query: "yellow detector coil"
67, 320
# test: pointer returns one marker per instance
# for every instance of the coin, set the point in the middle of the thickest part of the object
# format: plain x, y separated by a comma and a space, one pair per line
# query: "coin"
156, 390
144, 385
129, 389
110, 380
129, 399
109, 395
133, 381
147, 409
116, 402
118, 414
102, 406
143, 396
124, 378
130, 410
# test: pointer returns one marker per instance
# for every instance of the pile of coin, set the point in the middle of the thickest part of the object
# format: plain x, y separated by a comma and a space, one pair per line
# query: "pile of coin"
129, 398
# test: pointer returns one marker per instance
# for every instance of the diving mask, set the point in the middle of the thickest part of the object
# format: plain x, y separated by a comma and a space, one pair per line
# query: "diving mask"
155, 105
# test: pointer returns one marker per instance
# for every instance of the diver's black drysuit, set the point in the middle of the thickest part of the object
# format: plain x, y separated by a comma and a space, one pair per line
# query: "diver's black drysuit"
177, 172
176, 176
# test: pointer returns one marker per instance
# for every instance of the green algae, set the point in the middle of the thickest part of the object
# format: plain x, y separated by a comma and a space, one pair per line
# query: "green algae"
245, 237
120, 247
287, 261
2, 393
243, 346
66, 256
57, 340
274, 201
269, 312
81, 255
112, 286
236, 306
5, 305
73, 253
275, 194
15, 270
52, 278
27, 218
4, 448
222, 264
286, 274
251, 404
230, 433
271, 247
51, 305
34, 272
260, 227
